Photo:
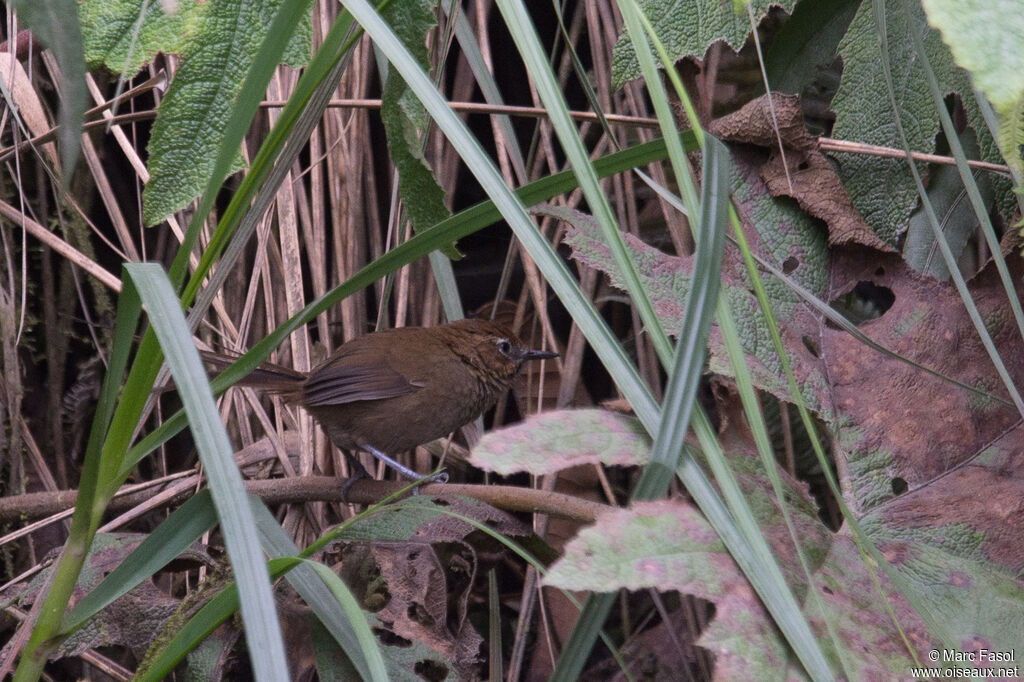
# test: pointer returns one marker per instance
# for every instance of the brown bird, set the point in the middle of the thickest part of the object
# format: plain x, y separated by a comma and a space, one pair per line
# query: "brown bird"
390, 391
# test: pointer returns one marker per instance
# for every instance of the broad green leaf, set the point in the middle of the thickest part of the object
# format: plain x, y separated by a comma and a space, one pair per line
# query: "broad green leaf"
406, 123
54, 23
984, 38
687, 28
807, 42
963, 569
125, 34
883, 189
956, 216
122, 35
193, 116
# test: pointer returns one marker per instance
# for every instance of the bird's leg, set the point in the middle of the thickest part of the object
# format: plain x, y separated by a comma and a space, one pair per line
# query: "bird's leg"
358, 472
404, 470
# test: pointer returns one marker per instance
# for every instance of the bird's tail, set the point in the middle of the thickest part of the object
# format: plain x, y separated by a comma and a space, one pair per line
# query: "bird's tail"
267, 377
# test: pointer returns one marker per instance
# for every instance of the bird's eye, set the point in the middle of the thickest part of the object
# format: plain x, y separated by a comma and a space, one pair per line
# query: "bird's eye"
504, 346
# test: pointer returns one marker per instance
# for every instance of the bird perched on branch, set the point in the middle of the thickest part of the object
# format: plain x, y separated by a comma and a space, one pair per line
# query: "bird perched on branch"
392, 390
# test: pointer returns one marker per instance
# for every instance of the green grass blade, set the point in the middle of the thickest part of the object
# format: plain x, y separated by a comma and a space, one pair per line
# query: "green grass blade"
530, 51
172, 537
494, 626
489, 89
345, 625
691, 347
341, 595
259, 612
92, 485
738, 528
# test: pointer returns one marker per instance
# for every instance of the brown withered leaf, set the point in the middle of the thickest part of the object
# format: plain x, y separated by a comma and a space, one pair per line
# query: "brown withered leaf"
902, 428
428, 598
936, 469
417, 571
803, 172
133, 620
930, 467
754, 124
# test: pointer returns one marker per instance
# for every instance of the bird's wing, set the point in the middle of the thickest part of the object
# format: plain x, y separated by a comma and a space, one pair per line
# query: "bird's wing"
350, 383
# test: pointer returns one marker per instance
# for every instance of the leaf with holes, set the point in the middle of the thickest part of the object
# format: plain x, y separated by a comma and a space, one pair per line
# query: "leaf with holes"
668, 545
930, 464
883, 189
414, 564
688, 29
788, 237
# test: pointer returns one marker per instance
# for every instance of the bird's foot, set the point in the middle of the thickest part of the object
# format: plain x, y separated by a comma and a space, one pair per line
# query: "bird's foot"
358, 472
356, 475
439, 477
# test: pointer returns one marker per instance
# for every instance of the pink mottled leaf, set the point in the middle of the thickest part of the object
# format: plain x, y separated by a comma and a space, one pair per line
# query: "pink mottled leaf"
552, 441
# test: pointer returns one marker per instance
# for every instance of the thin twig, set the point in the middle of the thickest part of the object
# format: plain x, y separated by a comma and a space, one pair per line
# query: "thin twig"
829, 144
825, 143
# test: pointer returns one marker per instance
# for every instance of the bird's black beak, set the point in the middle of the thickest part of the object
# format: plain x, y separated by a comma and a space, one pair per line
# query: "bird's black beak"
538, 354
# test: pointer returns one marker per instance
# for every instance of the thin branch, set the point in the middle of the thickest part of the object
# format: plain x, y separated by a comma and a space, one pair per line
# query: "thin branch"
302, 489
60, 246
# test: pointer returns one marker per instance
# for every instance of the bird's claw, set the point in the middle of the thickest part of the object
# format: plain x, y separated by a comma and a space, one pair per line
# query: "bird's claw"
440, 477
356, 475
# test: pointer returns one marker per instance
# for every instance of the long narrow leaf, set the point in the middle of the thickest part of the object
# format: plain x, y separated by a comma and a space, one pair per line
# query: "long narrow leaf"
348, 626
172, 537
528, 43
259, 613
691, 347
92, 483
